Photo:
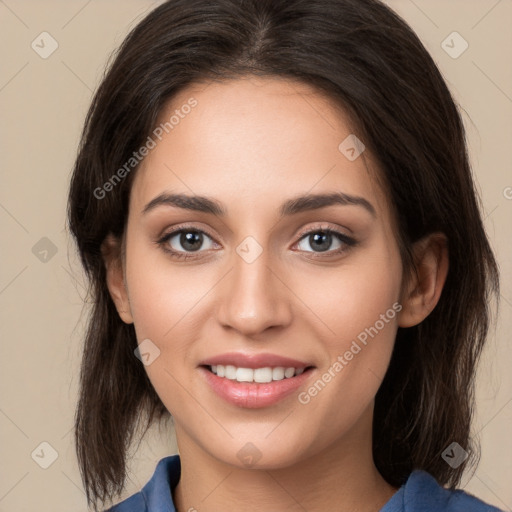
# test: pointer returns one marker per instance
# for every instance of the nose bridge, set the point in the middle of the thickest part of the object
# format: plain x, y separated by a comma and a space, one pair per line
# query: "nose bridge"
252, 297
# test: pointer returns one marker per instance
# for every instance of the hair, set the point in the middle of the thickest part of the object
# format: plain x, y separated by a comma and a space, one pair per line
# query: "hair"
370, 63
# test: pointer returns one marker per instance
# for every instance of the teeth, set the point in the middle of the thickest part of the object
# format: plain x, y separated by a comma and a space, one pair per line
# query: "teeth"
278, 373
289, 372
245, 375
259, 375
230, 372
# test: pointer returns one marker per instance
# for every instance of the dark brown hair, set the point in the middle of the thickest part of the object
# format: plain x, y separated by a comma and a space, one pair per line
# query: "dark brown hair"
372, 65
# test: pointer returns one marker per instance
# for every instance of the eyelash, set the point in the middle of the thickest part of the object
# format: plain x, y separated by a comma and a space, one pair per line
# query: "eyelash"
183, 255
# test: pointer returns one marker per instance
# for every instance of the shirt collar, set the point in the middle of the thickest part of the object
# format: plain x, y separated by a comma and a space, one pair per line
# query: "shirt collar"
157, 492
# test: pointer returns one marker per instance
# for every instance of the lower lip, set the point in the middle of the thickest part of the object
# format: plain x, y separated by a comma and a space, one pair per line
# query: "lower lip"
252, 395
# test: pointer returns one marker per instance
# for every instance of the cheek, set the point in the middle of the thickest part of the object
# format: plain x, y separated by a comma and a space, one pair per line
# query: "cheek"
162, 296
357, 305
166, 304
347, 299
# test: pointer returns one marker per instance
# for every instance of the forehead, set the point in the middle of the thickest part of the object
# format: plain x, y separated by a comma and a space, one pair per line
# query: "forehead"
250, 141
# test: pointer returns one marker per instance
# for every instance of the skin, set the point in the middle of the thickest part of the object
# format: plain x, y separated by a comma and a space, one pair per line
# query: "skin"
251, 144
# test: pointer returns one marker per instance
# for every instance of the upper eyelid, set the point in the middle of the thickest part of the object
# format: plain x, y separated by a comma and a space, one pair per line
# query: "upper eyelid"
307, 231
179, 229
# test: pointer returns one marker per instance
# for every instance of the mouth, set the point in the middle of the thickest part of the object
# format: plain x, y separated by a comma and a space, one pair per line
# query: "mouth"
253, 388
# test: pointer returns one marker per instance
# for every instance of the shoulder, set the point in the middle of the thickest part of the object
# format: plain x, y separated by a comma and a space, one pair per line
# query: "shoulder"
156, 495
422, 493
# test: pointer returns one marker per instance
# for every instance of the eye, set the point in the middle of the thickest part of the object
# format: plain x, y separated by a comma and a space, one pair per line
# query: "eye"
180, 242
321, 241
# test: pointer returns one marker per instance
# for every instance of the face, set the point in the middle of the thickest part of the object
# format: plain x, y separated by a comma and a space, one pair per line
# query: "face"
257, 278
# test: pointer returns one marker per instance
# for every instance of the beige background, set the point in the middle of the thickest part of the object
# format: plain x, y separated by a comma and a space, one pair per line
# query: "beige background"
43, 104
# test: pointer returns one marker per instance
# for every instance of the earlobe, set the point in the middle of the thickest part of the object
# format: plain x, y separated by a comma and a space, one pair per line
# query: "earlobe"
112, 257
425, 287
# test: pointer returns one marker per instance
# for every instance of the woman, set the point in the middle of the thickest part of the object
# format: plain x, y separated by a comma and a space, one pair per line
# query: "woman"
274, 205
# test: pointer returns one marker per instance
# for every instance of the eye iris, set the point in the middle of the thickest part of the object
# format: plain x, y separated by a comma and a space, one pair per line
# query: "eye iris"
322, 240
191, 240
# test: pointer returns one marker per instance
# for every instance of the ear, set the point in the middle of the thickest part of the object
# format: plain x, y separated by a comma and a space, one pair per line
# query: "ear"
112, 257
423, 290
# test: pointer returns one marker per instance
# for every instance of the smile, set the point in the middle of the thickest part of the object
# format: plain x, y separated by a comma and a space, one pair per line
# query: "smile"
254, 388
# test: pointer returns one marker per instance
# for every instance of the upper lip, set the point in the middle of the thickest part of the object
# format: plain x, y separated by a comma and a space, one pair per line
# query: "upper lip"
241, 360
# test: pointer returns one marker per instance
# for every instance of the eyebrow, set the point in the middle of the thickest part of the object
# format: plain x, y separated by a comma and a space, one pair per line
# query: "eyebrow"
293, 206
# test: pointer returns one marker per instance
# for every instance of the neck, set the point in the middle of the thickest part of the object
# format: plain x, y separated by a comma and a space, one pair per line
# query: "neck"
341, 477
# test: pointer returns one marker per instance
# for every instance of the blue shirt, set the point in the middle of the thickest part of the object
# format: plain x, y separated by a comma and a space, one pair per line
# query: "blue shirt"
421, 493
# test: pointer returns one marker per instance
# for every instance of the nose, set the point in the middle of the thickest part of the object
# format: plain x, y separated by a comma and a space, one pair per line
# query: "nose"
253, 297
